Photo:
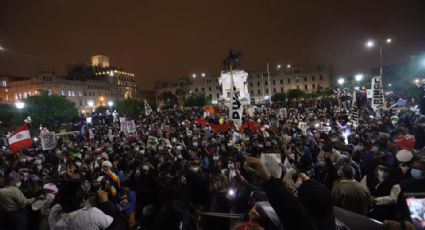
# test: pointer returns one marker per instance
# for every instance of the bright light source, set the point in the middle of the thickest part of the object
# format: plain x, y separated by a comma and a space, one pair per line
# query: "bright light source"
90, 103
110, 103
214, 102
357, 88
2, 48
266, 97
370, 44
231, 192
359, 77
389, 85
111, 73
341, 81
19, 105
288, 66
203, 74
389, 40
35, 139
416, 81
101, 98
194, 75
279, 66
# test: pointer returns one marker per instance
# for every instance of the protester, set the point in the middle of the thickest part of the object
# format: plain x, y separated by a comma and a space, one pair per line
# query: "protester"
186, 169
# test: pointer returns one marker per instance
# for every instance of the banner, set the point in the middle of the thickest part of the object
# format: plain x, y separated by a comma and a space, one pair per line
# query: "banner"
148, 109
48, 140
377, 94
354, 111
235, 107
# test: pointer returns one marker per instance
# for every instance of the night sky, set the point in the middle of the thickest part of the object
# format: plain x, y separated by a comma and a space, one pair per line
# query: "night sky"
159, 40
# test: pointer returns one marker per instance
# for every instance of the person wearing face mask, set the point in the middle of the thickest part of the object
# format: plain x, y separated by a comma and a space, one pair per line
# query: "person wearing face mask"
71, 212
414, 184
350, 194
384, 190
13, 212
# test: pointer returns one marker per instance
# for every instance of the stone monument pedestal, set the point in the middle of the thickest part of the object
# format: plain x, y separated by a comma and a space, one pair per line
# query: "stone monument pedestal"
240, 80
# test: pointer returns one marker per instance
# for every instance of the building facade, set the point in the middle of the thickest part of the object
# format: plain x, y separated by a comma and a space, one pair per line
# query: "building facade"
86, 85
261, 86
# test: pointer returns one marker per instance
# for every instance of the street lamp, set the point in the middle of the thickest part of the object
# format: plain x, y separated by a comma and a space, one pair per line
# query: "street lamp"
203, 74
90, 103
19, 105
341, 81
194, 75
389, 40
288, 66
279, 67
110, 103
417, 81
389, 85
2, 48
370, 44
359, 77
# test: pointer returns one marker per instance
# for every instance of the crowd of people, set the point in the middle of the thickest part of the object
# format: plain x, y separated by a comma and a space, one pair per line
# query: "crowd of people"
185, 169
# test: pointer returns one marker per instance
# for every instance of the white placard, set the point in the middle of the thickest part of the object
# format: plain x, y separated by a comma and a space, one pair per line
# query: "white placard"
48, 140
377, 94
271, 162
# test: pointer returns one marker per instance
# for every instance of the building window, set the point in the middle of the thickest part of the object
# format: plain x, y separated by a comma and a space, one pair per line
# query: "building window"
281, 89
305, 78
281, 81
203, 90
210, 96
259, 92
63, 92
209, 88
274, 90
258, 83
250, 84
321, 77
218, 95
306, 87
289, 81
252, 92
296, 80
298, 87
266, 83
267, 91
314, 86
313, 78
274, 82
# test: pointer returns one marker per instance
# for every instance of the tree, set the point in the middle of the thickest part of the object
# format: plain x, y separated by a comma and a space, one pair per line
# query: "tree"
130, 107
10, 118
295, 94
50, 111
181, 93
168, 99
197, 99
279, 98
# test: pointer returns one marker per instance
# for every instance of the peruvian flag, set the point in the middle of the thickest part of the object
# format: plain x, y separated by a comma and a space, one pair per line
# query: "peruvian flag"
20, 139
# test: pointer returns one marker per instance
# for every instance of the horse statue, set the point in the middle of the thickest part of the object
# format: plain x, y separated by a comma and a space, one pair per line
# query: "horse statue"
233, 60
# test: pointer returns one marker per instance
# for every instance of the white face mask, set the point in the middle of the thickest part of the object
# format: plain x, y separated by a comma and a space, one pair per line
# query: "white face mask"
18, 184
380, 175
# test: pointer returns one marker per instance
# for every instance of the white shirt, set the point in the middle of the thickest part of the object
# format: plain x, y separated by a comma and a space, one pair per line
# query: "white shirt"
81, 219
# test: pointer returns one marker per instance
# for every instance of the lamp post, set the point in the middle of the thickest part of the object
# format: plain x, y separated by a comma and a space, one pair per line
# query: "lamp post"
371, 43
341, 81
19, 105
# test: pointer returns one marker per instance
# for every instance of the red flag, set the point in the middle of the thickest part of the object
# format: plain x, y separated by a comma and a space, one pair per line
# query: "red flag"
20, 139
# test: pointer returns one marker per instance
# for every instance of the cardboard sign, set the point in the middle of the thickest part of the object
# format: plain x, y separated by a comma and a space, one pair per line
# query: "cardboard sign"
377, 94
271, 162
48, 140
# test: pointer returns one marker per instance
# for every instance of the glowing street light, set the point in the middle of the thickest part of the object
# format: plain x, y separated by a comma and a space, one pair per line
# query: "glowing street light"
279, 66
194, 75
203, 74
90, 103
388, 41
370, 44
359, 77
288, 66
341, 81
389, 85
417, 81
2, 48
19, 105
110, 103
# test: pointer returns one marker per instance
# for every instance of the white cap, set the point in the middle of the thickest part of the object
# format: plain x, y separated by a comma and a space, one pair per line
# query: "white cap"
404, 155
107, 164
